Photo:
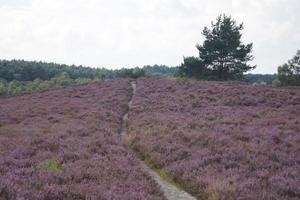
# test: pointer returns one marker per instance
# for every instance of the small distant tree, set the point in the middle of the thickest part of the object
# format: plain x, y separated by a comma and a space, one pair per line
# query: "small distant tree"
62, 80
14, 87
3, 87
222, 54
137, 72
276, 82
289, 73
193, 67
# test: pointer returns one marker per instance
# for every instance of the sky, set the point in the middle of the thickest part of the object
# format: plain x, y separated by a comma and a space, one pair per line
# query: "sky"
129, 33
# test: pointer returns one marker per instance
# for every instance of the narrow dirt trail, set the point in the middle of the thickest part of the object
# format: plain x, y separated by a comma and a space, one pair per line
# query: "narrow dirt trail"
170, 191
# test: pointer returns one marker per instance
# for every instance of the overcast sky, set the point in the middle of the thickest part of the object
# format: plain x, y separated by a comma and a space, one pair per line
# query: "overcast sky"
128, 33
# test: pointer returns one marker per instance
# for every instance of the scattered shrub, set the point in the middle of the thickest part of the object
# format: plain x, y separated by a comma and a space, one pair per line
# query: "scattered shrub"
276, 83
52, 165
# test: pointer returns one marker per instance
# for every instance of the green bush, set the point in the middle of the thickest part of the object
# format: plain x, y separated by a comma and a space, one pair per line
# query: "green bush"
52, 166
62, 80
80, 81
276, 83
3, 89
16, 87
289, 73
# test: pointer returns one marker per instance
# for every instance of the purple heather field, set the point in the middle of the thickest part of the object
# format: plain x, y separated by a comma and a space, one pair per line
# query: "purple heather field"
65, 144
217, 140
220, 140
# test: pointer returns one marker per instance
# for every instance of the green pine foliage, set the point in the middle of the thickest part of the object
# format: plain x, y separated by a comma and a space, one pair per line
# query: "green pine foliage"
222, 56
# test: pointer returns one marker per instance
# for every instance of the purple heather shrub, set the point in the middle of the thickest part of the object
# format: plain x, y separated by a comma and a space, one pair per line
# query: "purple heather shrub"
65, 144
220, 140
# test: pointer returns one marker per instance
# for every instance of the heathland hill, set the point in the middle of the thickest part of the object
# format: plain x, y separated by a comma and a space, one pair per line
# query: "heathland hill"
215, 140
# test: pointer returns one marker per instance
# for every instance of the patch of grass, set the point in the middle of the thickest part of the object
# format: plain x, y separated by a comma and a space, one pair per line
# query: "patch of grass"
213, 196
150, 164
181, 79
165, 175
129, 140
52, 166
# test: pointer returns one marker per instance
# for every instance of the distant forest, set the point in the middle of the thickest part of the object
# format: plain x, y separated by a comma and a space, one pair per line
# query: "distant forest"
21, 70
19, 76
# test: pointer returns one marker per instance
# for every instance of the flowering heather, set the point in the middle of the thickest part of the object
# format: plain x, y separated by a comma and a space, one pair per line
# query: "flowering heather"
220, 140
65, 144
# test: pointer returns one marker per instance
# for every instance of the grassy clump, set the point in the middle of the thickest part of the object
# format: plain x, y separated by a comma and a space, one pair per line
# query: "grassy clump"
165, 175
213, 196
52, 166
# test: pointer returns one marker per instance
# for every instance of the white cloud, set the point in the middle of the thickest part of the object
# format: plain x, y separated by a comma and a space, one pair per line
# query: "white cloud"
118, 33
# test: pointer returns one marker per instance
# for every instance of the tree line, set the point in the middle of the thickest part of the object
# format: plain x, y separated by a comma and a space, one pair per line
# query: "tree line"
19, 76
21, 70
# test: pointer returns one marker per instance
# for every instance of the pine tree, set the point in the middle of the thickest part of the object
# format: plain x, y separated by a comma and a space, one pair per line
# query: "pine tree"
222, 53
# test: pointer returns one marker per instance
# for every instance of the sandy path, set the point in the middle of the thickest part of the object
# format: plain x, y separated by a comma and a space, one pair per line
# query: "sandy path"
170, 191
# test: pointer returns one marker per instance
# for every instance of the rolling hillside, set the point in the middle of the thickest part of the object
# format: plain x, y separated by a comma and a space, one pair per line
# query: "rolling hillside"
215, 140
